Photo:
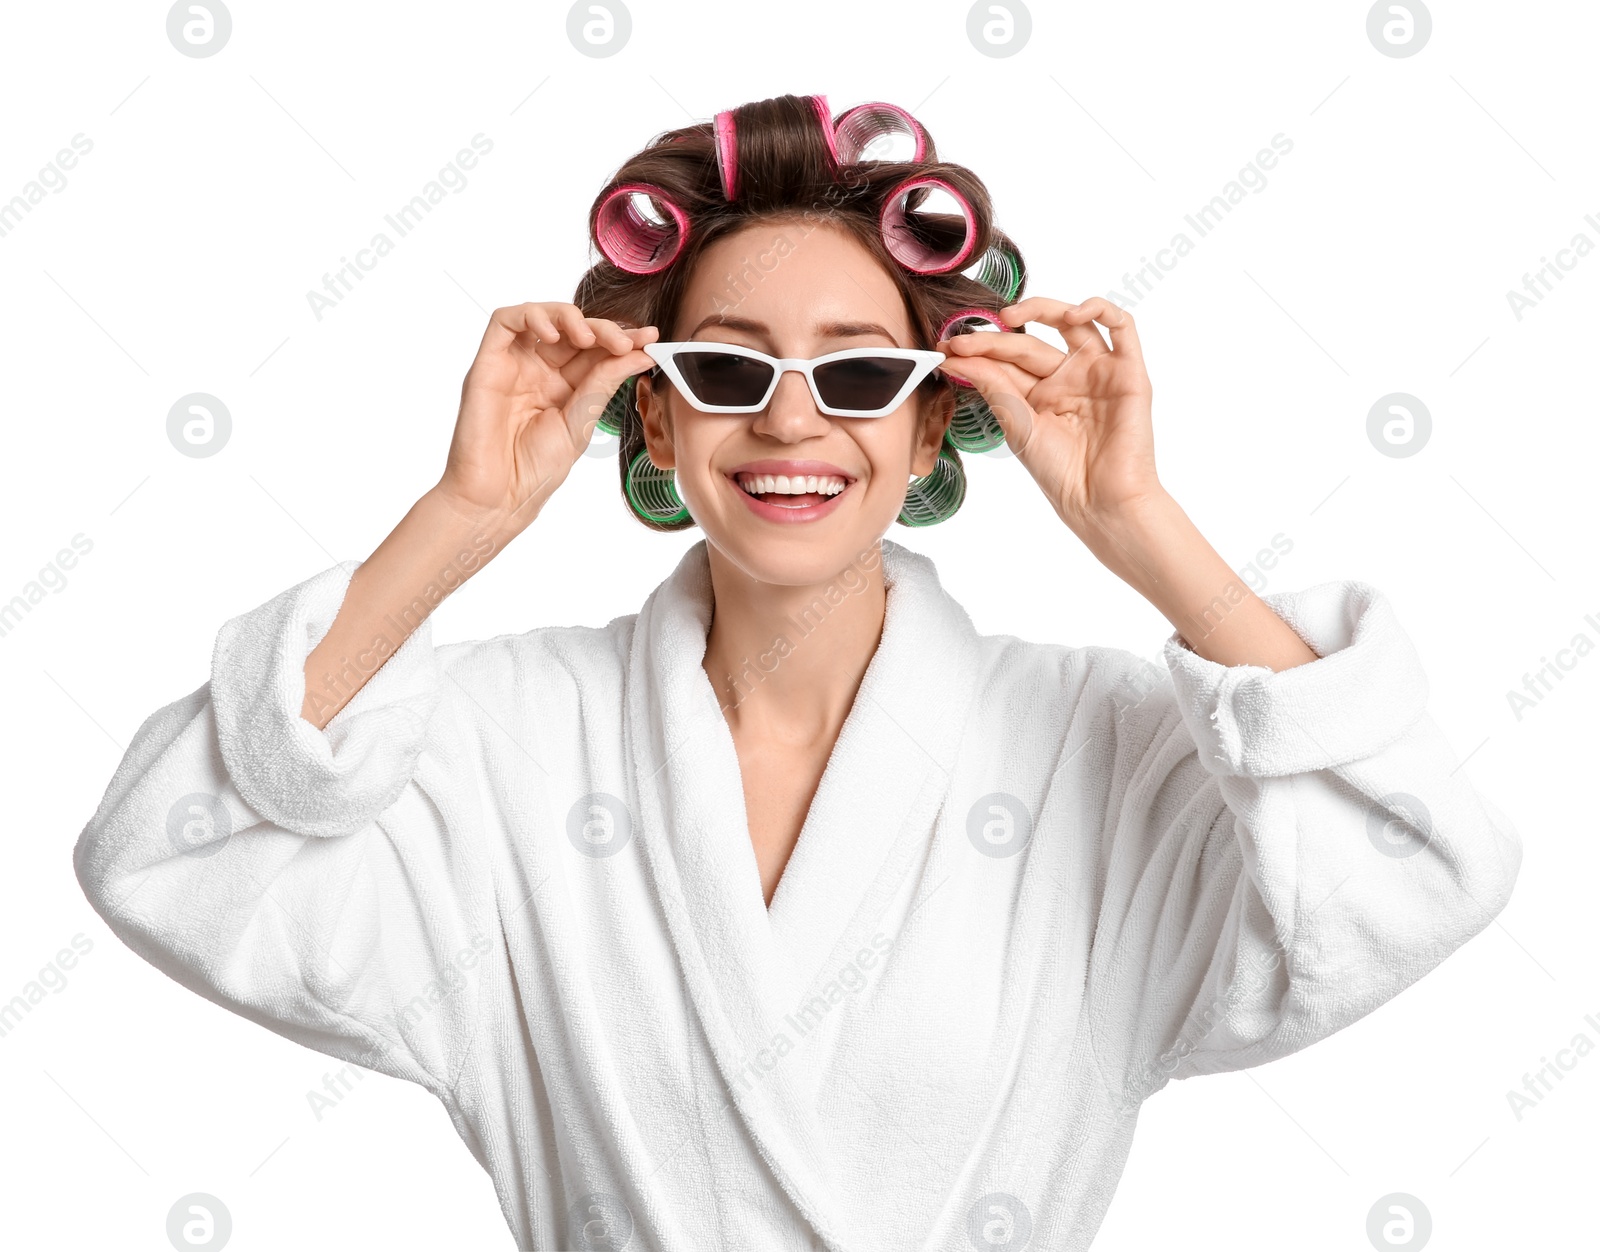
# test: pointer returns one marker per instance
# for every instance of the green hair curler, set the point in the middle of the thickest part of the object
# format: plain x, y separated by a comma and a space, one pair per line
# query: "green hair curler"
998, 270
974, 427
652, 493
610, 419
935, 497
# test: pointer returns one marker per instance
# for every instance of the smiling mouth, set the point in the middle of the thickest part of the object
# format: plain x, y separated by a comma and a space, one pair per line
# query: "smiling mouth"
791, 492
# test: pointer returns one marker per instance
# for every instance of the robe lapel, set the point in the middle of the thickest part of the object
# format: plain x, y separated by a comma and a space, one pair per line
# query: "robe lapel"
745, 969
697, 850
888, 771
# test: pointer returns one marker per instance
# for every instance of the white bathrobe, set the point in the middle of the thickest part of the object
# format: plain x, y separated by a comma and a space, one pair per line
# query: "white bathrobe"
1037, 882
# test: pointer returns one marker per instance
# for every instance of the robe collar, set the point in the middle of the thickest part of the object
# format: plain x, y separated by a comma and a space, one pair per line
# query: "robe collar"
747, 969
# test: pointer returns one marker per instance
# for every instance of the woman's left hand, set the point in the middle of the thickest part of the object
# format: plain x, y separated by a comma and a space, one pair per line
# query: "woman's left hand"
1078, 420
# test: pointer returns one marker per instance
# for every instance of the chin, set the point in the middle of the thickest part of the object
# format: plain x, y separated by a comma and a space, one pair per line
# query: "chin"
802, 559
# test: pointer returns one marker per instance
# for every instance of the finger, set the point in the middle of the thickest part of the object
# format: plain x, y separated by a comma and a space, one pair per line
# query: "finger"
506, 324
1027, 352
575, 367
543, 325
998, 371
1117, 321
572, 323
998, 383
990, 377
594, 389
609, 339
609, 335
1079, 334
1035, 309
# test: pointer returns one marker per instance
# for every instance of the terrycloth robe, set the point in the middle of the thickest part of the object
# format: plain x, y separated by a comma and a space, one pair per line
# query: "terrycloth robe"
1037, 882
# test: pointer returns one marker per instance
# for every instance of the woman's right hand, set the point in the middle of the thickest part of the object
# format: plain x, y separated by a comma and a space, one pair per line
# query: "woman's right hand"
541, 379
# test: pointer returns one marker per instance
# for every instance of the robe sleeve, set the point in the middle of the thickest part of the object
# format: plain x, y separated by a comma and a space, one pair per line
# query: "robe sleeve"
302, 878
1283, 851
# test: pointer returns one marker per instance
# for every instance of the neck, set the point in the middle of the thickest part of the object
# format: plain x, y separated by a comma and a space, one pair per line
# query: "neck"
786, 660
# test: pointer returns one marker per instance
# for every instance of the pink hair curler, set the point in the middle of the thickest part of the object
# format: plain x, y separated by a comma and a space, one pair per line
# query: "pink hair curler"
727, 155
634, 242
964, 317
728, 144
825, 116
902, 242
863, 125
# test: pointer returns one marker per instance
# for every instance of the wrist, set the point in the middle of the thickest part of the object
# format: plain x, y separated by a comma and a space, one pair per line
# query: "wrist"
455, 518
1130, 538
433, 550
437, 545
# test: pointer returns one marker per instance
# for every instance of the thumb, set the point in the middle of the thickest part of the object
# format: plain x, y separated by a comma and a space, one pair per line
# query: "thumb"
994, 385
596, 389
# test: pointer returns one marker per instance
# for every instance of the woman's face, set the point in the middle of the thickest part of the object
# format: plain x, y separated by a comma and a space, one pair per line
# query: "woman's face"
791, 289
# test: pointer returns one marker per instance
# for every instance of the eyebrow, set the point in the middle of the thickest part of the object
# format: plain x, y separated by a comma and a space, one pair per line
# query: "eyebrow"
827, 330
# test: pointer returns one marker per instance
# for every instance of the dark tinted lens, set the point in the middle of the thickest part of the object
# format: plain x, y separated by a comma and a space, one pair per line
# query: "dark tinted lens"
863, 382
723, 378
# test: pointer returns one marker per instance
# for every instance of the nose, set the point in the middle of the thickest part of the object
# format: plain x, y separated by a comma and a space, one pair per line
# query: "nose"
792, 414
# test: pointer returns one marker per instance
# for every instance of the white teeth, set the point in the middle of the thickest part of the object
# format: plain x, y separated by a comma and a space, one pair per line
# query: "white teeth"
821, 484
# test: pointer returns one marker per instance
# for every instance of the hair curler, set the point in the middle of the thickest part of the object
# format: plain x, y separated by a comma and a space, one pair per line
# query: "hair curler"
651, 491
904, 243
936, 496
999, 271
630, 240
825, 117
616, 411
973, 426
726, 133
865, 124
963, 322
727, 154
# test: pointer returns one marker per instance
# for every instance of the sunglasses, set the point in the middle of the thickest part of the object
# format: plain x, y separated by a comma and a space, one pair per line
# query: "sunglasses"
855, 382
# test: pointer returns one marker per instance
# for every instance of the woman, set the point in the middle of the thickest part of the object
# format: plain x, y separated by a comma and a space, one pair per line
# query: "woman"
790, 911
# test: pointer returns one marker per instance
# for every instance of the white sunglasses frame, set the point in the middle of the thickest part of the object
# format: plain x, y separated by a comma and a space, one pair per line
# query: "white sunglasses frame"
924, 362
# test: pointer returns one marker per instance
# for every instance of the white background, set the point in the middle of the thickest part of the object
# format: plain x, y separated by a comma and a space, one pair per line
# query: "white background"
1377, 259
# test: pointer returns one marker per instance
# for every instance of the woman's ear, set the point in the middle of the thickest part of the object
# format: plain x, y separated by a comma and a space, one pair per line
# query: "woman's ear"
656, 421
937, 411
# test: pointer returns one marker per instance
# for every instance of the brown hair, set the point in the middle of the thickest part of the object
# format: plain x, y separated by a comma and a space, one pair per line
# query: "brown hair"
786, 171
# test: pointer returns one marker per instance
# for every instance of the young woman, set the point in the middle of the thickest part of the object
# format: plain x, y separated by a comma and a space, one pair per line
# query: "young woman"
791, 912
